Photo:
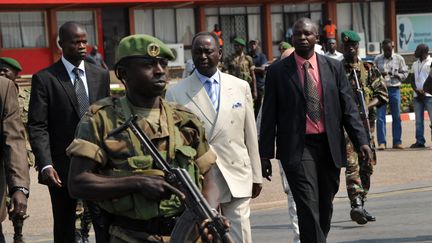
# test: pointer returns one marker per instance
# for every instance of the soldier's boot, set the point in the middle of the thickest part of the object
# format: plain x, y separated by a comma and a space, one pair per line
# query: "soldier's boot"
18, 226
78, 237
369, 217
357, 212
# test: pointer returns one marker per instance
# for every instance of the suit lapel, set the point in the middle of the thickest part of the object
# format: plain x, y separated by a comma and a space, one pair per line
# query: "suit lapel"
292, 72
199, 97
91, 84
225, 104
324, 71
64, 79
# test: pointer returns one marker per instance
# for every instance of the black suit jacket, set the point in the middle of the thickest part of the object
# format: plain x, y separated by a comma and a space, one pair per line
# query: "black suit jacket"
54, 112
284, 112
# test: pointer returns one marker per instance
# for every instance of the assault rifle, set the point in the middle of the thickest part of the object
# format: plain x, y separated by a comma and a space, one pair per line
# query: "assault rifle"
364, 115
195, 203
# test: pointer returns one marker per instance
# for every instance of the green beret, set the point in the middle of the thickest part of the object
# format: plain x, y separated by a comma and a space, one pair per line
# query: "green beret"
144, 46
240, 41
285, 45
11, 62
350, 36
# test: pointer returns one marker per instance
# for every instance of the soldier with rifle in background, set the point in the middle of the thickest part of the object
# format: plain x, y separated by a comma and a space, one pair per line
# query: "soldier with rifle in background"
370, 91
111, 166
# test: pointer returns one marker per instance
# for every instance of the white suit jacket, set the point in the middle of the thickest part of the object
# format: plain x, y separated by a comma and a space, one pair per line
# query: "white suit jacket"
231, 132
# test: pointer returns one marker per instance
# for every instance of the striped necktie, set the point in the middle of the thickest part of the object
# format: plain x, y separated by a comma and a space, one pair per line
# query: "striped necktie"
313, 106
210, 89
81, 94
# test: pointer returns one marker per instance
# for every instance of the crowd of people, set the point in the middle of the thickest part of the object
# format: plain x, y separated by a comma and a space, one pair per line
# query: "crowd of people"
220, 123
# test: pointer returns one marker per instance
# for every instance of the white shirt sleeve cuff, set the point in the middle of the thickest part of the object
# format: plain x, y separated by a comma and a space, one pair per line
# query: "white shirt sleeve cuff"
46, 167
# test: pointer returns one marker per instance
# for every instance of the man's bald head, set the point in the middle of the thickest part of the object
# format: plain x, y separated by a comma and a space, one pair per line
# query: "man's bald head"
306, 21
66, 30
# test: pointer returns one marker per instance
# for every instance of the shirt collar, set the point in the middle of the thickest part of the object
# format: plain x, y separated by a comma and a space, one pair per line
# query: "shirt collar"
203, 78
312, 60
70, 67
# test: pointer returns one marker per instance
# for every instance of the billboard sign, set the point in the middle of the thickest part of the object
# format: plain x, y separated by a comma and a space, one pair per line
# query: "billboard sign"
413, 29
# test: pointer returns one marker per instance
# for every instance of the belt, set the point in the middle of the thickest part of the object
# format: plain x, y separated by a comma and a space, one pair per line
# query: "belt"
154, 226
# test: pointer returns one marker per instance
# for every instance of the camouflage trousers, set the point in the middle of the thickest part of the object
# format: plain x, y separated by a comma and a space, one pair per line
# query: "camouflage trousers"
357, 174
82, 219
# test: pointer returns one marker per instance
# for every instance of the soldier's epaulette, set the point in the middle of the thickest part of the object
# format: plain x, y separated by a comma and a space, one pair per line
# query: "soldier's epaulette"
100, 104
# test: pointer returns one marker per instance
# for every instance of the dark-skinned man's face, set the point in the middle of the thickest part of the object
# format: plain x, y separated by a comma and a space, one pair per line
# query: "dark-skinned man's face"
331, 47
304, 38
206, 55
387, 49
145, 76
74, 45
8, 71
350, 49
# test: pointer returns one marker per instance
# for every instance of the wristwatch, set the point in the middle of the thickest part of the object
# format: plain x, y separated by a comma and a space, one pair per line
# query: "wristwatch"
22, 189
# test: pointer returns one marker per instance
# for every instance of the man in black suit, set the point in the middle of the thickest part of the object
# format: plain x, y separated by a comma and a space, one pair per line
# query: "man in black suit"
307, 111
60, 95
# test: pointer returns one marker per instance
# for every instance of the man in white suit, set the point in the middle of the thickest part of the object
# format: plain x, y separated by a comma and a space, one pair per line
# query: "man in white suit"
225, 104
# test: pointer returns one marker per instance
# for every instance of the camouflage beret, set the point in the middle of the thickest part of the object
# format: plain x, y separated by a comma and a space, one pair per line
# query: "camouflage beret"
240, 41
350, 36
11, 62
143, 46
285, 45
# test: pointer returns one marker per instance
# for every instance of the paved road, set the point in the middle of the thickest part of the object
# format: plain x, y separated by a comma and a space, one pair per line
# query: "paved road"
396, 171
402, 216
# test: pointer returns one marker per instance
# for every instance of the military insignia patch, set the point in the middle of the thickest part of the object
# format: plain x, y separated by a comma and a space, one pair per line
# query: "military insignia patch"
153, 49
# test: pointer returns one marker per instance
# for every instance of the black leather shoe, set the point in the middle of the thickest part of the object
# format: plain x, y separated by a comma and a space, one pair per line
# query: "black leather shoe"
369, 216
357, 212
417, 145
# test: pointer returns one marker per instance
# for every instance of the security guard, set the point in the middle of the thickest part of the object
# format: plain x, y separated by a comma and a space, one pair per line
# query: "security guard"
241, 65
375, 93
116, 172
10, 69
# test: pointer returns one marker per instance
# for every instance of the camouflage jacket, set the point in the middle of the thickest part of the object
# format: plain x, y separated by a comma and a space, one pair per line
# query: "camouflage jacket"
240, 66
370, 81
23, 101
183, 144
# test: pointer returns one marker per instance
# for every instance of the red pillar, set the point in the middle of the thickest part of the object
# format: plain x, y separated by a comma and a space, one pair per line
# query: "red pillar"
201, 20
267, 44
391, 19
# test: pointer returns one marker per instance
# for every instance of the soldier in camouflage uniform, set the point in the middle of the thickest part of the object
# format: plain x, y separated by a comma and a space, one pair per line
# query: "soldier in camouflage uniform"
241, 65
115, 170
358, 173
10, 68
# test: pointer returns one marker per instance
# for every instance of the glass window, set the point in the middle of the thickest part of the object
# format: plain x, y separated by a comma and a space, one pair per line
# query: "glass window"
164, 25
211, 11
363, 16
231, 11
211, 21
185, 25
143, 21
296, 8
22, 30
277, 28
84, 18
253, 10
254, 27
276, 8
315, 6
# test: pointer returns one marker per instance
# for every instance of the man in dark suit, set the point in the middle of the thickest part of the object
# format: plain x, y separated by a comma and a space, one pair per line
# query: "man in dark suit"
307, 111
60, 96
